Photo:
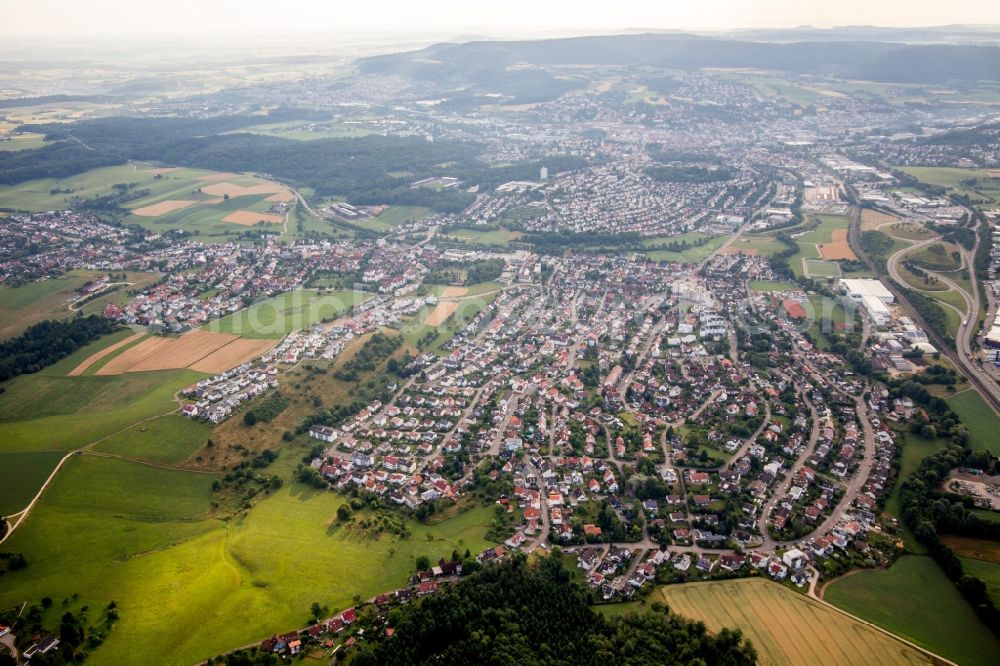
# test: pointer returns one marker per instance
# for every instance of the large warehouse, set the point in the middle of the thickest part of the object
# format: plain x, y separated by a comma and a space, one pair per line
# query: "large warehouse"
872, 295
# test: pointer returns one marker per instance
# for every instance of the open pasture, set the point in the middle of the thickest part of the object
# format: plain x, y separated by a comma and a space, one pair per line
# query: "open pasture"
21, 475
915, 600
168, 439
189, 586
785, 627
50, 412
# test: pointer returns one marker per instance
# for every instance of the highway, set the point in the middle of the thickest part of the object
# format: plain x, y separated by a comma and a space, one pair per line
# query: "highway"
962, 357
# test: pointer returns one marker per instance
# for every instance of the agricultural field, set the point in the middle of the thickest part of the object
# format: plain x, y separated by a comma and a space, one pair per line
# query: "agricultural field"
828, 239
20, 307
22, 141
785, 627
195, 201
277, 316
306, 130
189, 586
915, 600
977, 416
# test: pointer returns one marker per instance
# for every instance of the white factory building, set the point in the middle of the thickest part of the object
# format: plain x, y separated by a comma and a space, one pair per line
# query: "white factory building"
873, 296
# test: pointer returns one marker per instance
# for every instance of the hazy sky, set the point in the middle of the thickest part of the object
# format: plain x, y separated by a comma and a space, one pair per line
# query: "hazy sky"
139, 18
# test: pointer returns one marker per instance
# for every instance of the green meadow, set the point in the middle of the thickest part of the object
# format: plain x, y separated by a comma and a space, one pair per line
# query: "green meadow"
21, 475
492, 237
693, 254
189, 586
951, 177
915, 600
977, 416
169, 439
56, 413
393, 216
279, 315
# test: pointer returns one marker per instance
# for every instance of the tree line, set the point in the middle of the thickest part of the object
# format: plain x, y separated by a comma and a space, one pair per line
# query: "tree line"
49, 341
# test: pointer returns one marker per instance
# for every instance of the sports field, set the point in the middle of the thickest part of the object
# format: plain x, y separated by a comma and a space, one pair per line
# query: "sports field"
772, 285
982, 422
914, 599
189, 586
393, 216
785, 627
294, 310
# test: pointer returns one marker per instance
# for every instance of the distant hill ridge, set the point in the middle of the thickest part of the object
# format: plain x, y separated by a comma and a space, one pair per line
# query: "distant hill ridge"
472, 62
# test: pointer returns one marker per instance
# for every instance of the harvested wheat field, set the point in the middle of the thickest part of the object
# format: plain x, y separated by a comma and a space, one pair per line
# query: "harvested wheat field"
248, 218
160, 171
283, 196
787, 628
235, 353
222, 189
160, 353
441, 312
184, 351
97, 356
838, 249
162, 208
128, 358
454, 292
873, 218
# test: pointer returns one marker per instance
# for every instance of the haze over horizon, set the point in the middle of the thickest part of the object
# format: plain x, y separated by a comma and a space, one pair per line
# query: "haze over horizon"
98, 19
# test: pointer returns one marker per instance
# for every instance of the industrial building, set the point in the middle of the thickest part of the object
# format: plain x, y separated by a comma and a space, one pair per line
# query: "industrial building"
873, 296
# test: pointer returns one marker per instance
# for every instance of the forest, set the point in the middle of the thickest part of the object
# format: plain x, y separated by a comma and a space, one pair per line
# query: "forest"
46, 342
519, 613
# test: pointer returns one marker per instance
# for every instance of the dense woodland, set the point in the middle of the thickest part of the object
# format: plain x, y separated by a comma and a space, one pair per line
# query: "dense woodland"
47, 342
519, 614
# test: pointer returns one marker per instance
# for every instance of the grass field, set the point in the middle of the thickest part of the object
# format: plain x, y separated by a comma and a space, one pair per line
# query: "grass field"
392, 217
693, 254
988, 572
771, 285
279, 315
820, 235
21, 475
821, 268
189, 586
44, 412
20, 307
785, 627
169, 439
494, 237
914, 599
951, 178
977, 416
22, 141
